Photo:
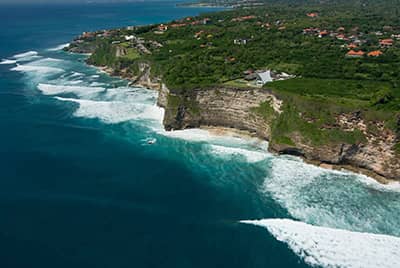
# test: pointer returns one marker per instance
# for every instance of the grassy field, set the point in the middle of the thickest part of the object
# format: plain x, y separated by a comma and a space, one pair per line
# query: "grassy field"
132, 54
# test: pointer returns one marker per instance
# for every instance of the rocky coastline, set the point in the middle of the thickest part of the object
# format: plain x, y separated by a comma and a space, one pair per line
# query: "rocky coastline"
234, 108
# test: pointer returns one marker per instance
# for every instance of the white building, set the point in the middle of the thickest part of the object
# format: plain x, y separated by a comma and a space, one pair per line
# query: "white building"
264, 77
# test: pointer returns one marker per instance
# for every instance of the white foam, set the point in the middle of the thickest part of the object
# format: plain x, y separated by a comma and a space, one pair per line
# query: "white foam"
332, 198
25, 54
76, 82
75, 74
46, 61
202, 135
114, 111
251, 156
7, 61
327, 247
38, 69
96, 84
48, 89
59, 47
372, 183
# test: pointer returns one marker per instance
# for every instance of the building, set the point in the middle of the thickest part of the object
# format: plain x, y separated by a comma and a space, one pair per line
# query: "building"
264, 77
387, 28
341, 37
206, 21
355, 54
129, 37
352, 46
240, 41
386, 42
396, 36
162, 28
312, 15
375, 53
323, 34
177, 25
239, 19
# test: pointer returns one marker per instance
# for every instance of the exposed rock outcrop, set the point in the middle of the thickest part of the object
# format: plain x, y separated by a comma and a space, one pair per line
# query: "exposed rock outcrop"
233, 107
145, 78
227, 107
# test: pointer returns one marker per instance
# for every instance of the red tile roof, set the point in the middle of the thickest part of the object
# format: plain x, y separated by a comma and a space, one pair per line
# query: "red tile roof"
375, 53
312, 15
355, 53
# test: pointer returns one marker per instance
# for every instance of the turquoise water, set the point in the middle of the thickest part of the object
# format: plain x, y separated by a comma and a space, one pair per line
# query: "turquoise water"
81, 187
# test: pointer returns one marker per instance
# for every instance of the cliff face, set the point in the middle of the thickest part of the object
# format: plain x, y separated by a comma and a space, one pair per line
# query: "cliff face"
217, 107
236, 108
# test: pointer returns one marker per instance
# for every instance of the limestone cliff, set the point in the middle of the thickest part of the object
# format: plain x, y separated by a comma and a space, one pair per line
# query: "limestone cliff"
227, 107
235, 108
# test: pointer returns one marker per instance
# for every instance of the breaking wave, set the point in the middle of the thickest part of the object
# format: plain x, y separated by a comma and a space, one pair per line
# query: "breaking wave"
113, 112
316, 196
327, 247
7, 62
59, 47
36, 68
25, 54
331, 198
229, 153
48, 89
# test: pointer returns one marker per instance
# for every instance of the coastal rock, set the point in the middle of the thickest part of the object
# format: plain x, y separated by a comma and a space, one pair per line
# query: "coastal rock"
120, 51
226, 107
234, 108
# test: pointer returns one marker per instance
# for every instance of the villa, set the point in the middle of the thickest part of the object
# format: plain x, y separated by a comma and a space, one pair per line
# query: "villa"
375, 53
312, 15
263, 78
240, 41
386, 42
355, 54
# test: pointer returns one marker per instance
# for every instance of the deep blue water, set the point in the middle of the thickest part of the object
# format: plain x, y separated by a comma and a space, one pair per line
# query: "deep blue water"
80, 186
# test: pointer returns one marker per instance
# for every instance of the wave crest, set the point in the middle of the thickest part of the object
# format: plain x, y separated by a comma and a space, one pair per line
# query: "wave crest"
25, 54
327, 247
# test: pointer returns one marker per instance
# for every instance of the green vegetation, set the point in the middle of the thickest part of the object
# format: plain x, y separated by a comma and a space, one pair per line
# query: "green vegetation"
104, 55
284, 140
132, 54
266, 111
200, 52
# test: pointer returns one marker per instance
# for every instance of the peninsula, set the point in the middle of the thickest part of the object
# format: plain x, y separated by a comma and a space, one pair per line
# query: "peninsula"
317, 80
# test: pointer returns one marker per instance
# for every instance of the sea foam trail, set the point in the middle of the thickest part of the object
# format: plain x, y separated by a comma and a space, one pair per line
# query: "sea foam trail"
7, 62
25, 54
327, 247
59, 47
251, 156
26, 68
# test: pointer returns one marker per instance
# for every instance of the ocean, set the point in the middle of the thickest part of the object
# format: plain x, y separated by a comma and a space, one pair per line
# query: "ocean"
80, 185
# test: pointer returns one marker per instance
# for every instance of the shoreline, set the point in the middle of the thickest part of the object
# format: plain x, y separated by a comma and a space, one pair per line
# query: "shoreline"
223, 131
244, 134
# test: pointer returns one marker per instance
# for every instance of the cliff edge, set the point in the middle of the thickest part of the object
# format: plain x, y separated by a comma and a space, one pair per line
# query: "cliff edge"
373, 155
